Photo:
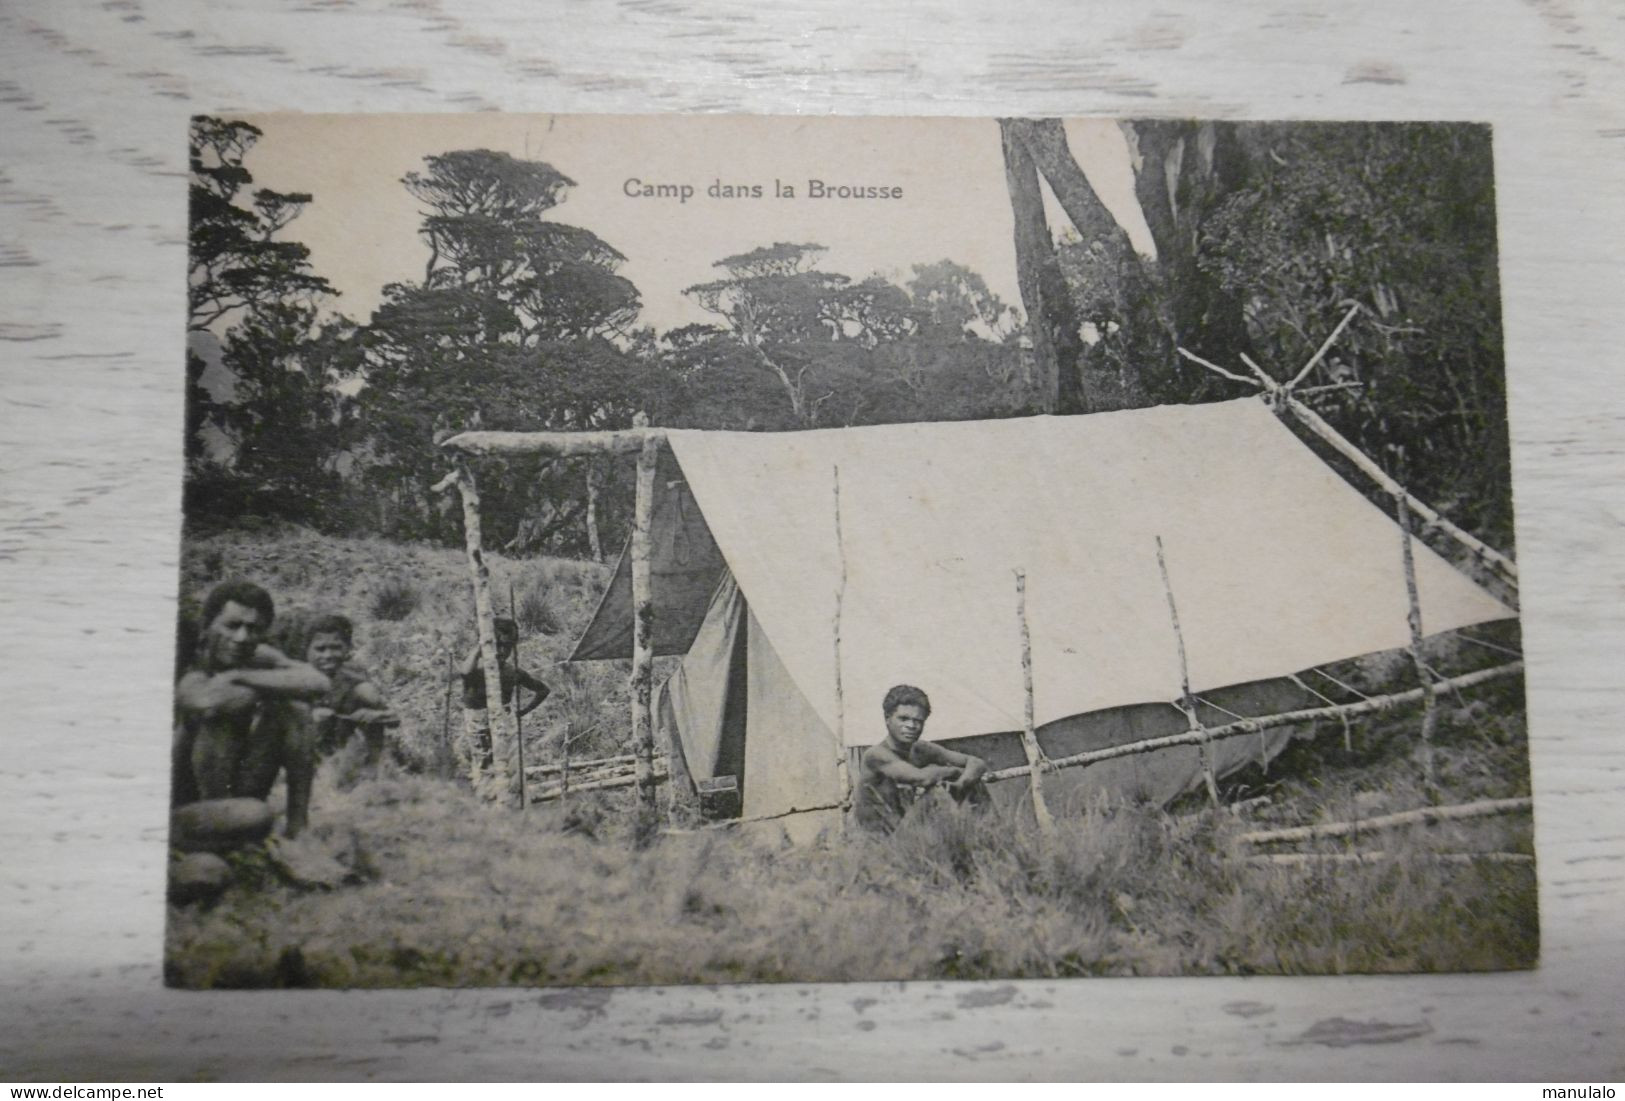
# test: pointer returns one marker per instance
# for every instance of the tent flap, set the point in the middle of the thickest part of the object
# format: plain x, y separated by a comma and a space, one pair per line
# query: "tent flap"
684, 566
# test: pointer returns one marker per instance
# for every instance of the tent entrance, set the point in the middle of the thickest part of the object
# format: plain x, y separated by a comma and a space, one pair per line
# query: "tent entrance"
732, 709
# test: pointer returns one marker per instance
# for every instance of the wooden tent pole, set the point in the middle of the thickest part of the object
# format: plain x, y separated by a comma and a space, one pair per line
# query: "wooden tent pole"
1313, 421
843, 773
557, 445
1186, 703
1216, 369
445, 715
485, 626
1325, 347
518, 726
643, 625
1029, 731
1430, 703
1283, 397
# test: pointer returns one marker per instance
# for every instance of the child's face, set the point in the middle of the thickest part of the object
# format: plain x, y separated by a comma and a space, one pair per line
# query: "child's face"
327, 652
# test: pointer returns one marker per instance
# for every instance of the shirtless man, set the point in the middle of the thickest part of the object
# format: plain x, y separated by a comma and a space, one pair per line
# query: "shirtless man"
243, 709
892, 770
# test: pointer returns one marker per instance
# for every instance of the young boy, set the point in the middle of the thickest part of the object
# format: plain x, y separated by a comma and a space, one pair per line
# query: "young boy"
893, 770
474, 750
353, 702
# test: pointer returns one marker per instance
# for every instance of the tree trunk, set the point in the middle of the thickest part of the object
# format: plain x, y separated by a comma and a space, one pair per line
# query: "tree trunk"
1185, 169
1052, 321
1046, 143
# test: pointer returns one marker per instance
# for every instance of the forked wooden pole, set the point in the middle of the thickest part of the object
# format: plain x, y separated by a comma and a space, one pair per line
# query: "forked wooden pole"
485, 625
1186, 703
843, 773
1282, 397
643, 625
1315, 359
1430, 702
1029, 731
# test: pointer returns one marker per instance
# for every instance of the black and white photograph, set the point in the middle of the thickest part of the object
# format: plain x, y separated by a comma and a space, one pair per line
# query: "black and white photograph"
634, 550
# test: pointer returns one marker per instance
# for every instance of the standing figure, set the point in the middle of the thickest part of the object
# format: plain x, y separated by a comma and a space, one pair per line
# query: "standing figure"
474, 749
242, 709
894, 770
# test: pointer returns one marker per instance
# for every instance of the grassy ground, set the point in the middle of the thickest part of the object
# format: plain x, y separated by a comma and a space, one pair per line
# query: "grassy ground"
441, 888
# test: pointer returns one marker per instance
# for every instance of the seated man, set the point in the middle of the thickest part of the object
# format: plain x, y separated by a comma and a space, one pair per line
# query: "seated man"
243, 709
353, 702
893, 770
474, 748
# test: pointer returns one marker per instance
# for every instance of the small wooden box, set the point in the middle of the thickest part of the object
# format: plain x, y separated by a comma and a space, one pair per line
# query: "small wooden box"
719, 797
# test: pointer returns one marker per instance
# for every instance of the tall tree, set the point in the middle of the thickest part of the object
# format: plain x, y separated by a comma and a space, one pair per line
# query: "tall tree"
1266, 235
1053, 326
808, 329
520, 322
271, 408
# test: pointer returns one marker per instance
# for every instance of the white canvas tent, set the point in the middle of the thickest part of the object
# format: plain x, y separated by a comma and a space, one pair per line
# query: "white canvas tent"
905, 540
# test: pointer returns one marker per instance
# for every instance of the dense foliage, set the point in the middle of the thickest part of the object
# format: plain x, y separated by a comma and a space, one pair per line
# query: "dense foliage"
1266, 235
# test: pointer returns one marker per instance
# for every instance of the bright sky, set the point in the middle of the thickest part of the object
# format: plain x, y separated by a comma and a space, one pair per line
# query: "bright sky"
362, 226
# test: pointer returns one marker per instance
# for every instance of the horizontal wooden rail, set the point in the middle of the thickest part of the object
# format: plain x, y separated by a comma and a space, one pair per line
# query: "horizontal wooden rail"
1425, 816
627, 760
562, 445
557, 791
1302, 859
1370, 706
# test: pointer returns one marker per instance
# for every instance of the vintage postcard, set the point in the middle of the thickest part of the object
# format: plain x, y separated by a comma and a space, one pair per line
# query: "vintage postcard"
643, 550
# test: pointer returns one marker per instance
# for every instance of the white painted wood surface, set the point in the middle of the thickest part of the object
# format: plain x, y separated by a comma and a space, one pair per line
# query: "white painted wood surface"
93, 105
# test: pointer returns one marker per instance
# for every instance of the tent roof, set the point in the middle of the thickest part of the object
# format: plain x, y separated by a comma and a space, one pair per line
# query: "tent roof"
1275, 562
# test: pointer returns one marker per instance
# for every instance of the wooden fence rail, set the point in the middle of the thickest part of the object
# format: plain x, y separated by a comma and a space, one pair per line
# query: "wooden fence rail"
1424, 816
1373, 705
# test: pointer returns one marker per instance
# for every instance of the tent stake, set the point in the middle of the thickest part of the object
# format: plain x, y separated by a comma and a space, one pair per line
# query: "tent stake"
1186, 703
842, 772
643, 623
485, 625
1430, 703
1029, 732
